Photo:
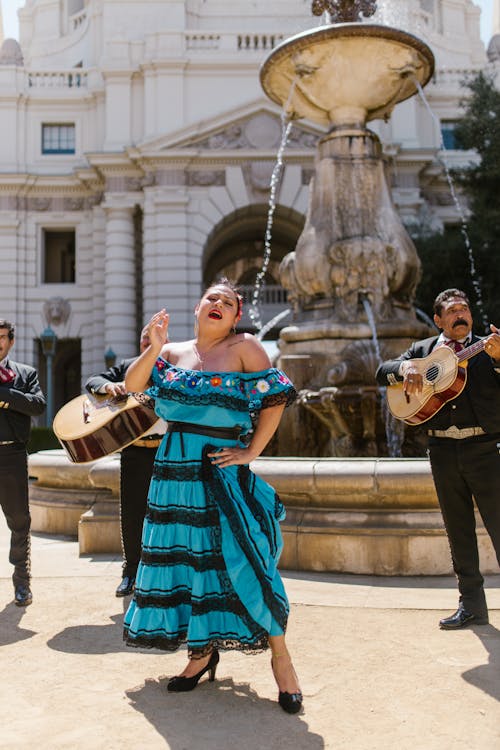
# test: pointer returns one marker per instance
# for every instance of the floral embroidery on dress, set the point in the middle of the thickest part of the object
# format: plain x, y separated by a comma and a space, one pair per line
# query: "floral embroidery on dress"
254, 390
263, 386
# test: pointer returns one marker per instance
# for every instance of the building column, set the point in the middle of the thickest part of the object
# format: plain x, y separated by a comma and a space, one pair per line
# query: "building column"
171, 278
120, 325
9, 225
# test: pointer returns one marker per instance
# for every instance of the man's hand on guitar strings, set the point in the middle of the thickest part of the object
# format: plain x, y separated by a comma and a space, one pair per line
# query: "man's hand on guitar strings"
492, 343
413, 381
115, 389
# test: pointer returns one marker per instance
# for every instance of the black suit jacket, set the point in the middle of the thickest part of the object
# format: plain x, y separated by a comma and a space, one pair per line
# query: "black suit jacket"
115, 374
479, 402
24, 399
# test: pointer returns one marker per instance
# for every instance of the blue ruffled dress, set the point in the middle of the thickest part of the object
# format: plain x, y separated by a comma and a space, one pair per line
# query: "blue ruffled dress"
211, 539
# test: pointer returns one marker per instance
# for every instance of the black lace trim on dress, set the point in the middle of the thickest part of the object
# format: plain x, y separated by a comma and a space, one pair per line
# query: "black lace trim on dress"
284, 397
200, 563
180, 473
144, 399
219, 641
202, 518
208, 603
216, 491
203, 399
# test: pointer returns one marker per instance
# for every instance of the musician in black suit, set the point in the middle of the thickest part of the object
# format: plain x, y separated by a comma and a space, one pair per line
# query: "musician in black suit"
464, 445
20, 399
136, 468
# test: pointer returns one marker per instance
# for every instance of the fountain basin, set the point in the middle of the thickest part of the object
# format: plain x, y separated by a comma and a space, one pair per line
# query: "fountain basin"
370, 516
367, 515
76, 499
346, 73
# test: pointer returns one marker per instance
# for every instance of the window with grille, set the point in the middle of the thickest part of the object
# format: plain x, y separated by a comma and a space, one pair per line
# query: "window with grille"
58, 139
448, 134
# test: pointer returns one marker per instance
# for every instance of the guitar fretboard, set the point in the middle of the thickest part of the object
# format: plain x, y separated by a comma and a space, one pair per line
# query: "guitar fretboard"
471, 351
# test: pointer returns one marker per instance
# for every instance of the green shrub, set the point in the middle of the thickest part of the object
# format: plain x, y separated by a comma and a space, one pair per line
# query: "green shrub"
42, 439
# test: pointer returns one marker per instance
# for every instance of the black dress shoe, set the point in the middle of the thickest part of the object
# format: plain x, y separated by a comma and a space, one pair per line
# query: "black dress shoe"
22, 595
126, 586
461, 618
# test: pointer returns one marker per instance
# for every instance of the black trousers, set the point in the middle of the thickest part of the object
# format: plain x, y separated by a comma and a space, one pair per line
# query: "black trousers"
135, 476
15, 507
463, 470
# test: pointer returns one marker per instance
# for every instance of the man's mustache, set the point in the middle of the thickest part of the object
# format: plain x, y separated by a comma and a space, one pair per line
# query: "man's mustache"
460, 322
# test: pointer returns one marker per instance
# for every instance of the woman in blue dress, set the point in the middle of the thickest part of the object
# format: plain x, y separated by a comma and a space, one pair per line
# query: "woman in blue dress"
211, 542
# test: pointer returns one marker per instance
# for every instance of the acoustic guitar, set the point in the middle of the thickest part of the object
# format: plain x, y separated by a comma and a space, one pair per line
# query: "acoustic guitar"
90, 427
444, 373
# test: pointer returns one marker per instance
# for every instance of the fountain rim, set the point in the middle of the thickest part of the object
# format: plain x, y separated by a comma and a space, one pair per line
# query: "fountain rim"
345, 30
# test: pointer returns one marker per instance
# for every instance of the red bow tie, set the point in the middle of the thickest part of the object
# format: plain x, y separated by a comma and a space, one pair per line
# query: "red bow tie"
457, 346
6, 375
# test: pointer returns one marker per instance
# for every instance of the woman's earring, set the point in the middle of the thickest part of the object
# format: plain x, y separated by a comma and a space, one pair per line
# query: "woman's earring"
196, 325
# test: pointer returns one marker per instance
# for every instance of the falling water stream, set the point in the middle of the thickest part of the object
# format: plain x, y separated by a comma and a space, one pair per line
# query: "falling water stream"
394, 428
271, 323
286, 126
425, 318
463, 222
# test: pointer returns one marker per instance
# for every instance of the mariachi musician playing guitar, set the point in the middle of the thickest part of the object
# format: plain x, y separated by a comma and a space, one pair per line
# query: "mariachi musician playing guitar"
456, 392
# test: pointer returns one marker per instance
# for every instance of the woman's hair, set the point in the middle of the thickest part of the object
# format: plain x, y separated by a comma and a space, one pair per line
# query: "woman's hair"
224, 281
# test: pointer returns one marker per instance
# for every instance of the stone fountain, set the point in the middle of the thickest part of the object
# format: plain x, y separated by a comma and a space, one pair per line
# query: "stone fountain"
354, 259
351, 281
353, 262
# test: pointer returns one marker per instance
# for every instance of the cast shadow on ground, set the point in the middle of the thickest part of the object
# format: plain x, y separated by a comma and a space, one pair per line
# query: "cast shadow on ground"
10, 630
486, 677
220, 716
93, 639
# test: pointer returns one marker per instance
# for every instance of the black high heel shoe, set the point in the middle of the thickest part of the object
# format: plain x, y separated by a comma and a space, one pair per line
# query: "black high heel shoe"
184, 684
289, 702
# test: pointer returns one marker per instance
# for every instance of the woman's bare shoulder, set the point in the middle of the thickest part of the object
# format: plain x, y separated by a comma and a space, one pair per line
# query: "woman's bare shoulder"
252, 354
173, 350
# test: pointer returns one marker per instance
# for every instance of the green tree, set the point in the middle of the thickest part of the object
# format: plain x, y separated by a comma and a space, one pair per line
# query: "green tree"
446, 258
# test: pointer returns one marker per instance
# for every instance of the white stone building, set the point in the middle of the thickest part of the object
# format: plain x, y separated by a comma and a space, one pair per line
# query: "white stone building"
136, 154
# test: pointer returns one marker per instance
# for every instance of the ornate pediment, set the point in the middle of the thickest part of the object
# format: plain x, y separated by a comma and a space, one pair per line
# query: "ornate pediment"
260, 131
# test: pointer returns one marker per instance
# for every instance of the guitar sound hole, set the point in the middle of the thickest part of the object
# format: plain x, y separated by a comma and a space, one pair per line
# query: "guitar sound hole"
432, 373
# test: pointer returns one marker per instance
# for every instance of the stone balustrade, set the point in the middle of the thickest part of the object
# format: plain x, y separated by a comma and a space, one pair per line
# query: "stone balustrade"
231, 41
74, 78
77, 20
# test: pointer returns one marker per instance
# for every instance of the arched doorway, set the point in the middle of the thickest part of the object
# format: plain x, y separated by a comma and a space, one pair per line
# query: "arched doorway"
235, 248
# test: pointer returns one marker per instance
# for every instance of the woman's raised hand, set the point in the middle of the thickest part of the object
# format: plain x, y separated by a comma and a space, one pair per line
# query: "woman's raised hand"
158, 329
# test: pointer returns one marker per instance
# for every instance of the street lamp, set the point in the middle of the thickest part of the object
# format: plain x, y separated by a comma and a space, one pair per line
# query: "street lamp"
48, 340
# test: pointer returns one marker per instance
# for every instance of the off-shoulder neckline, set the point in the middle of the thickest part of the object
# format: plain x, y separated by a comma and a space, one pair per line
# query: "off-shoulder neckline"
224, 373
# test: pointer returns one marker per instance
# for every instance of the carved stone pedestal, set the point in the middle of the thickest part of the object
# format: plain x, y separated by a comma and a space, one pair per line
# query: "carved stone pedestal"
99, 527
76, 499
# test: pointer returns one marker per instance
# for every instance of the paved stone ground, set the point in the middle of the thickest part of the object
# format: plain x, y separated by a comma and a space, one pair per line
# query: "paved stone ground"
375, 669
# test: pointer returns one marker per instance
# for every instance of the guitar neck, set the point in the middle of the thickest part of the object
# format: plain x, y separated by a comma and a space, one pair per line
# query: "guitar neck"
471, 351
